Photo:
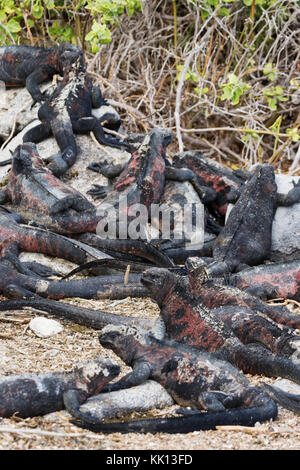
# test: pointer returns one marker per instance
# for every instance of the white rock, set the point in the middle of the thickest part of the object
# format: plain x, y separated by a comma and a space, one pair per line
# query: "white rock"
146, 396
45, 327
288, 386
16, 108
286, 225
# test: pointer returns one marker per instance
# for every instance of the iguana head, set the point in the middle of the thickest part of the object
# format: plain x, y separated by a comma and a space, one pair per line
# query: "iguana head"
68, 53
26, 158
156, 141
123, 340
262, 181
196, 267
160, 282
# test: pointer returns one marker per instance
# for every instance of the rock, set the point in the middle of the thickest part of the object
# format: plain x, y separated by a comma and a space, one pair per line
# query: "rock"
45, 327
5, 154
288, 386
146, 396
16, 108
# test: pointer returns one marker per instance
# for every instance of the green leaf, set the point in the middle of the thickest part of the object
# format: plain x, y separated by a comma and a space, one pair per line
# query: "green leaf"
276, 125
224, 12
49, 4
201, 92
37, 11
294, 134
236, 96
233, 78
13, 26
270, 71
227, 93
272, 102
2, 16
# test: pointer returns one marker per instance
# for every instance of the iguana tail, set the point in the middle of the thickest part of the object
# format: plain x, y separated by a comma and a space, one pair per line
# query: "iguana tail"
260, 362
194, 422
290, 401
95, 319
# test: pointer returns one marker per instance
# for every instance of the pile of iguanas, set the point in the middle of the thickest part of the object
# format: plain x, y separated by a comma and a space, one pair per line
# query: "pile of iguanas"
214, 323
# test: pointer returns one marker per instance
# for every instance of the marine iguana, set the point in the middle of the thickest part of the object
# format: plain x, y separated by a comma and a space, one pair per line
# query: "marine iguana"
179, 196
35, 192
246, 237
21, 280
30, 66
270, 281
191, 377
69, 110
219, 179
141, 182
34, 394
16, 237
14, 283
39, 196
213, 293
183, 214
88, 317
187, 321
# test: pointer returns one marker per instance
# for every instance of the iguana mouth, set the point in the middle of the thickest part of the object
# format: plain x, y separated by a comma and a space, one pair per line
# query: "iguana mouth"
148, 280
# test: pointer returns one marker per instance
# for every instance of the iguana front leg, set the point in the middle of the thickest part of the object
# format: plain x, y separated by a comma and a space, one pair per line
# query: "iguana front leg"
97, 98
90, 123
37, 134
140, 373
109, 170
32, 84
292, 197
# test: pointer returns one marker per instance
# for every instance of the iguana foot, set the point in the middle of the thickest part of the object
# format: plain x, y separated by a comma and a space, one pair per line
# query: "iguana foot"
96, 166
98, 191
40, 269
56, 164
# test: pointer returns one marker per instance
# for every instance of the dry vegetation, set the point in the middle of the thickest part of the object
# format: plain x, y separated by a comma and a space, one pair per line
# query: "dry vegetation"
172, 67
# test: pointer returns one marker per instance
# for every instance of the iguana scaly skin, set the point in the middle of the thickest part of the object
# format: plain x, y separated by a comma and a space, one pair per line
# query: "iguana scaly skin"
34, 394
69, 110
30, 66
246, 237
34, 192
270, 281
191, 377
214, 176
213, 293
187, 321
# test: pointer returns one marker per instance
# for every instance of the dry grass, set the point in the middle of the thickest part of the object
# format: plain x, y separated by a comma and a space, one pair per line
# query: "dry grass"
166, 71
